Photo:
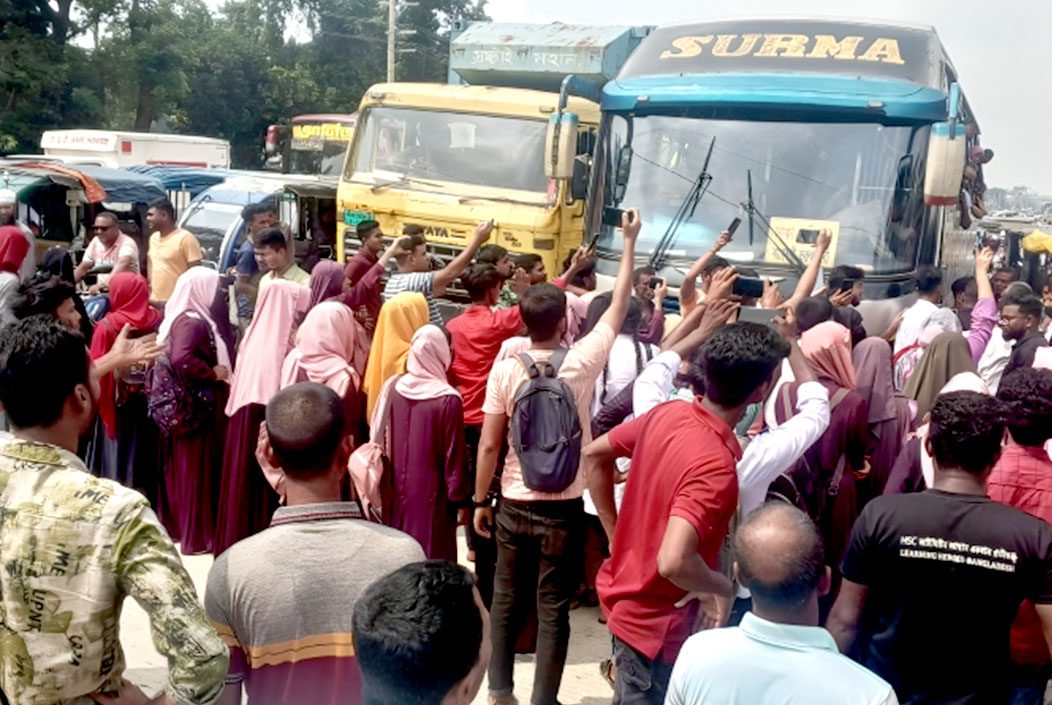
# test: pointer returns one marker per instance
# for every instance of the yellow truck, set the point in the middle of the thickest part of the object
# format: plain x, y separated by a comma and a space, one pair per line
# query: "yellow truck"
511, 145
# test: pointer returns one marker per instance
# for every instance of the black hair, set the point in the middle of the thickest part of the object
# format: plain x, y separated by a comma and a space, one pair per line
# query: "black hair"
800, 569
1027, 397
413, 230
543, 308
641, 272
480, 279
249, 212
365, 227
163, 204
633, 322
812, 311
737, 360
273, 238
962, 285
1029, 304
409, 243
587, 269
417, 633
966, 431
1005, 270
528, 260
491, 254
929, 279
42, 295
714, 265
842, 273
41, 363
306, 423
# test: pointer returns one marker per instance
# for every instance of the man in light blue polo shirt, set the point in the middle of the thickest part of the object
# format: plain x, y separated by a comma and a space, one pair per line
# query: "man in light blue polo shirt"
779, 653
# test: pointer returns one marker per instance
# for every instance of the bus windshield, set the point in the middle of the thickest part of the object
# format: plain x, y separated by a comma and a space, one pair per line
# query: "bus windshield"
482, 150
862, 181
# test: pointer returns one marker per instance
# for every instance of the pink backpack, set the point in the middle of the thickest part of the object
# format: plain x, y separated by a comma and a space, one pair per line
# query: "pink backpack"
370, 462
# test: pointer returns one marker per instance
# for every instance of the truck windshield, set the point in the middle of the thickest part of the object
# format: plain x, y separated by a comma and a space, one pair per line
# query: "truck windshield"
483, 150
324, 158
862, 181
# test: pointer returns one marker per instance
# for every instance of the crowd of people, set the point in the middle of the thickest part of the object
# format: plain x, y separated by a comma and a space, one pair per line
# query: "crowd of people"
796, 511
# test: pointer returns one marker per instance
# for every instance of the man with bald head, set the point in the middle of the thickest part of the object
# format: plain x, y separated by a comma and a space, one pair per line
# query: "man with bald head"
779, 653
283, 600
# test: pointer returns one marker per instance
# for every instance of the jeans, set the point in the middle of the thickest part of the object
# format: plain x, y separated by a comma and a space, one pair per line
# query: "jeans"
542, 537
1027, 685
639, 680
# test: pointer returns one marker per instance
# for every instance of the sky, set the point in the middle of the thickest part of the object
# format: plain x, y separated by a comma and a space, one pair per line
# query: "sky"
1003, 62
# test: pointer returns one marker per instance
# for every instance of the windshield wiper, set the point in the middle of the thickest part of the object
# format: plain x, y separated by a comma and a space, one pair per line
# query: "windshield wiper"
402, 182
779, 243
686, 210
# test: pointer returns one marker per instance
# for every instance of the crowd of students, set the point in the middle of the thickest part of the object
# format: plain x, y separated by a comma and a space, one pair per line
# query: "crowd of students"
819, 491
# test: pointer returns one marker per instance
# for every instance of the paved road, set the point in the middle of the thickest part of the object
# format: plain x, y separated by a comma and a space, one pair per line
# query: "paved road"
582, 684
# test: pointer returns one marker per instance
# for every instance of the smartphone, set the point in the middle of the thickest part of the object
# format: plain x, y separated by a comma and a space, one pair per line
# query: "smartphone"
807, 236
987, 240
656, 282
612, 216
848, 285
748, 286
734, 225
750, 314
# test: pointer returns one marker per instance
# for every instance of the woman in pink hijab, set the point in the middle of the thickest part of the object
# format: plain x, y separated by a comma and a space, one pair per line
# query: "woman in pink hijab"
330, 350
832, 462
425, 437
246, 501
914, 468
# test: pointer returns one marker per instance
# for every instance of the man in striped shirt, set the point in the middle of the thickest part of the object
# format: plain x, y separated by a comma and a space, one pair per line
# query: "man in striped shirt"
414, 269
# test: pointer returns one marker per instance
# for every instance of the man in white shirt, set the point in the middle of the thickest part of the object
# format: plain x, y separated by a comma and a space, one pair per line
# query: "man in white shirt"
779, 654
916, 317
110, 247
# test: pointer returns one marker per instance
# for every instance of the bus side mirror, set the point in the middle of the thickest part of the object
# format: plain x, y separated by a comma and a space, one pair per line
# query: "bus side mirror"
944, 168
560, 145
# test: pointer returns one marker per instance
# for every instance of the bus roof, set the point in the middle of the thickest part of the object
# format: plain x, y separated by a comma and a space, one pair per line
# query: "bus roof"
858, 48
520, 102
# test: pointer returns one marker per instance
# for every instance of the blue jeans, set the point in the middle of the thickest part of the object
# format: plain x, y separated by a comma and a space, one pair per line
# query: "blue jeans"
1027, 685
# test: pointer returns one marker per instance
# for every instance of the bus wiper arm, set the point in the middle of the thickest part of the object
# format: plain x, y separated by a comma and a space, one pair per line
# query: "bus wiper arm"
779, 243
686, 210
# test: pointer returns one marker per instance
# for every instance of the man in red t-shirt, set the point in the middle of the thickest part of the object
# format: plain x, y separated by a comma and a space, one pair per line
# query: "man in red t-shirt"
681, 494
477, 335
1022, 479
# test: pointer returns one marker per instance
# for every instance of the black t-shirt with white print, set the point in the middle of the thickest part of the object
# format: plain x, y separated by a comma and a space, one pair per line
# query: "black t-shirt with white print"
946, 574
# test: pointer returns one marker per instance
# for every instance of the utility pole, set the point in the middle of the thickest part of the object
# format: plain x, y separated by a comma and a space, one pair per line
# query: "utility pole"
392, 29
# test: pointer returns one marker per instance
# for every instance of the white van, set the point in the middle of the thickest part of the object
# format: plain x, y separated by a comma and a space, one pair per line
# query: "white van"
120, 149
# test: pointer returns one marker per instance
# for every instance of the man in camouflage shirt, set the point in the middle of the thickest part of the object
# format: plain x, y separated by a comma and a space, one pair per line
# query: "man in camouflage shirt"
73, 546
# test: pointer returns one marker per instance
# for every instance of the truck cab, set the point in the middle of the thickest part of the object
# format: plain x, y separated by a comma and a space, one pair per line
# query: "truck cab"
444, 157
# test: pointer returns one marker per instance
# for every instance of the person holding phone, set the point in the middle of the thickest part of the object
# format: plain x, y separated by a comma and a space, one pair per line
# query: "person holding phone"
650, 290
845, 293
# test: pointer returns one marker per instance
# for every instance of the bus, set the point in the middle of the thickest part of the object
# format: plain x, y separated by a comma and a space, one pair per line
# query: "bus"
311, 144
794, 126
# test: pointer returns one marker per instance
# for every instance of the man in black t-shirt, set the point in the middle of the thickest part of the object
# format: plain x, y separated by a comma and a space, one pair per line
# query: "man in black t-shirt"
933, 580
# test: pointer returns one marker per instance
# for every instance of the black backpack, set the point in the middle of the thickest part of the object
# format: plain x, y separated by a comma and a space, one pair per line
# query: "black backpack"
545, 427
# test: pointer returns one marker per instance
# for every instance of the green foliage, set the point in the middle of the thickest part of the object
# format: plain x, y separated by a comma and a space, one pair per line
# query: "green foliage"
142, 64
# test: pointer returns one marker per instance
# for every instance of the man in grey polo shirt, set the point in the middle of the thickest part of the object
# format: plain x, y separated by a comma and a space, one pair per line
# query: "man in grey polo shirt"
779, 654
284, 599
